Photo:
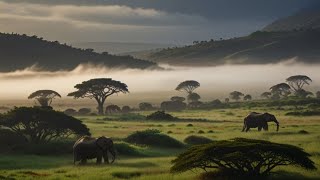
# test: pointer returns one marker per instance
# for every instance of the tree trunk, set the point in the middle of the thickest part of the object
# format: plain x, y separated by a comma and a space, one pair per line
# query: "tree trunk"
100, 109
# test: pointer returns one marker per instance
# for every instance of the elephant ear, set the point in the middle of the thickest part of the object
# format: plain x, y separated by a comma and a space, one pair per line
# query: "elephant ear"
102, 142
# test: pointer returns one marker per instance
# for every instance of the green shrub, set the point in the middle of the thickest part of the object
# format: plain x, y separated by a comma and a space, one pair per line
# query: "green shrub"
189, 125
123, 148
303, 113
125, 175
196, 140
242, 157
303, 132
160, 115
210, 131
169, 132
200, 132
153, 137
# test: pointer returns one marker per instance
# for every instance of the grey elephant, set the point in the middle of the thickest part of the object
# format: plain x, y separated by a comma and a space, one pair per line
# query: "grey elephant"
89, 148
259, 120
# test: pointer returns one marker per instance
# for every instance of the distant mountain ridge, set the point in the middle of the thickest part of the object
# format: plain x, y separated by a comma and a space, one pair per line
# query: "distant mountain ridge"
296, 36
303, 20
22, 51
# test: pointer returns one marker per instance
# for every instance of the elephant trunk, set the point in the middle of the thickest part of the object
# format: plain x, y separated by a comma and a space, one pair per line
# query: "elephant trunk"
113, 153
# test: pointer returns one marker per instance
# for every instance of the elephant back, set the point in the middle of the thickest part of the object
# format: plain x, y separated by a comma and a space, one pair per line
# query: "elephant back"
84, 140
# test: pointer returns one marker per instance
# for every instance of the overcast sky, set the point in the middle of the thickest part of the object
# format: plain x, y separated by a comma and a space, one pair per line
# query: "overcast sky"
155, 21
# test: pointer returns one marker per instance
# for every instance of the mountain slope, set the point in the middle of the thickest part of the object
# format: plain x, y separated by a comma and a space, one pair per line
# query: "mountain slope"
304, 20
257, 48
21, 51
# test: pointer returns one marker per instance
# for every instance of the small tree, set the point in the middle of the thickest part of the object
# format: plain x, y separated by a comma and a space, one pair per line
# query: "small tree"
242, 157
40, 125
280, 90
145, 106
236, 95
99, 89
266, 95
178, 98
297, 82
188, 86
44, 97
194, 97
247, 97
227, 100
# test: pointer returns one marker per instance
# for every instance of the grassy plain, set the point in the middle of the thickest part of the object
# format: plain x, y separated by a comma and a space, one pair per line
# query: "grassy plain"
155, 162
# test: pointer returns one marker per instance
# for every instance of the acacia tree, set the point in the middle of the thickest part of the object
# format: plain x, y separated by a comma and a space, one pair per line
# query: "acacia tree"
188, 86
40, 125
99, 89
278, 90
44, 97
194, 97
242, 157
297, 82
247, 97
178, 98
236, 95
266, 95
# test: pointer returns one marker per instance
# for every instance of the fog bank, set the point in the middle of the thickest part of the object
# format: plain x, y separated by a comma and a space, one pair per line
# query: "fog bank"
156, 86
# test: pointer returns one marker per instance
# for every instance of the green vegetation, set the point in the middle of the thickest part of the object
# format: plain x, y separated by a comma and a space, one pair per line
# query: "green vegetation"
154, 162
153, 137
242, 157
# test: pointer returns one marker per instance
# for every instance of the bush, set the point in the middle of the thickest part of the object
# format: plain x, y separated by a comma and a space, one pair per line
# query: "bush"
9, 139
70, 112
153, 137
40, 125
303, 132
189, 125
84, 111
242, 157
196, 140
126, 175
113, 109
303, 113
123, 148
145, 106
160, 115
125, 109
200, 132
173, 106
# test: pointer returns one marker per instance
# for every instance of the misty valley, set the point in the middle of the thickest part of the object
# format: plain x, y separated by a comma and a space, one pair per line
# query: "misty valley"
159, 90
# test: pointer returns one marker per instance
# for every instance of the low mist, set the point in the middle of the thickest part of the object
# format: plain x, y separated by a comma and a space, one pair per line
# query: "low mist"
158, 85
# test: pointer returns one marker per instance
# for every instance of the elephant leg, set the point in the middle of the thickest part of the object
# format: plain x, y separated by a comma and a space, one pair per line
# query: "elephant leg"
99, 159
266, 127
247, 129
244, 127
259, 128
105, 157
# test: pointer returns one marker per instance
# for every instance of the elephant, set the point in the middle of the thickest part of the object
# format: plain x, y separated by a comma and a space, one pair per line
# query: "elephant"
259, 120
89, 148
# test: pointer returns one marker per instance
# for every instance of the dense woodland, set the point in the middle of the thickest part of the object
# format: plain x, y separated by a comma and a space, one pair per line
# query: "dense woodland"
22, 51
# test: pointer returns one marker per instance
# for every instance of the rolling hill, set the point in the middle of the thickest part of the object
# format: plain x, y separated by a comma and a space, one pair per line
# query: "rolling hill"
21, 51
297, 36
303, 20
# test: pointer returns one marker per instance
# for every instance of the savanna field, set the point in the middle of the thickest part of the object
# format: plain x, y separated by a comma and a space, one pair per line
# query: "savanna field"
152, 162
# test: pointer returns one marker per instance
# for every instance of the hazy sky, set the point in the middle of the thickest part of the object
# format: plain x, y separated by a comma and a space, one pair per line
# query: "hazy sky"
164, 21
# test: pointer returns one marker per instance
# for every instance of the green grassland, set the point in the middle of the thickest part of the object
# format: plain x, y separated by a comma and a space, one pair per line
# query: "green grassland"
154, 163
